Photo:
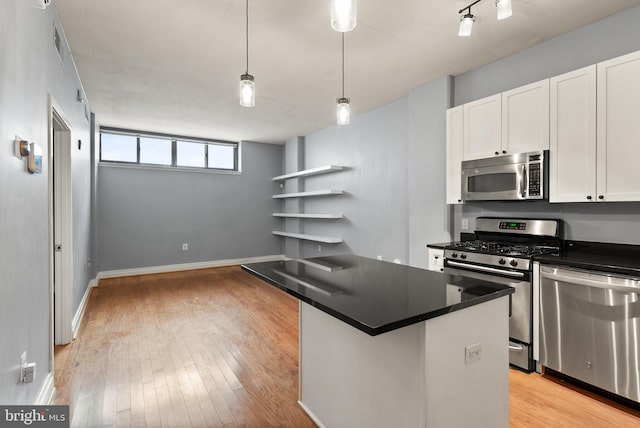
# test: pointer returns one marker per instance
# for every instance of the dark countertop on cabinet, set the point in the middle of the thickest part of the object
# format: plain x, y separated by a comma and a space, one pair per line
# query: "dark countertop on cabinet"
372, 295
604, 257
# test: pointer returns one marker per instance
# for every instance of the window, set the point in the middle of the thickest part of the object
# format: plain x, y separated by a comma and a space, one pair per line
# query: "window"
146, 148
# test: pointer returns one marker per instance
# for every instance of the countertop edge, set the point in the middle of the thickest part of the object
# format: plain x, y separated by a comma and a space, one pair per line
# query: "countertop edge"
374, 331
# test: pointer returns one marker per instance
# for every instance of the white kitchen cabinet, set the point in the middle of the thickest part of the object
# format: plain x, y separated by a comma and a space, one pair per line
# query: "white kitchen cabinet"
525, 118
482, 128
436, 259
516, 121
455, 142
572, 160
618, 117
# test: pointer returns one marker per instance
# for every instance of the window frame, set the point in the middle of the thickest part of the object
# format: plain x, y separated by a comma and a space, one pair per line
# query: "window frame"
174, 139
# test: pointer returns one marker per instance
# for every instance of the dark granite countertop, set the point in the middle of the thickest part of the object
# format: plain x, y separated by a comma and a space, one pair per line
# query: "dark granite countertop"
372, 295
440, 245
613, 258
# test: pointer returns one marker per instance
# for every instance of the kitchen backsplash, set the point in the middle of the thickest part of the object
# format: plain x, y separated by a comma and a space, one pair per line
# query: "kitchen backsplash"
617, 222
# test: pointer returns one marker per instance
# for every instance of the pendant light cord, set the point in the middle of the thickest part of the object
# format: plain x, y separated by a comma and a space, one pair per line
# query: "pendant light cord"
343, 65
247, 32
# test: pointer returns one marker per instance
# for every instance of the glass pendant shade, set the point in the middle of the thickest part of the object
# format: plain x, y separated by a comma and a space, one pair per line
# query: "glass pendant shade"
343, 15
504, 8
247, 91
466, 23
343, 111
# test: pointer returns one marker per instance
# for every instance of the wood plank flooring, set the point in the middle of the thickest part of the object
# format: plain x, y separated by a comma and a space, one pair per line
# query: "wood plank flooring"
219, 348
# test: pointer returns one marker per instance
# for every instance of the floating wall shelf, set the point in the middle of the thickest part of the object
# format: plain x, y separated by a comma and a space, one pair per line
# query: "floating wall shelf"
312, 193
309, 172
304, 215
317, 238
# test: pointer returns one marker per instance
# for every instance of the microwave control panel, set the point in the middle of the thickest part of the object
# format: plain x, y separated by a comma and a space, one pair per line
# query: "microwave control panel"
535, 182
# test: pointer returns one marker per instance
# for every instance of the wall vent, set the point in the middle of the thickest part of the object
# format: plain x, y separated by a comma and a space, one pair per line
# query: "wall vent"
57, 42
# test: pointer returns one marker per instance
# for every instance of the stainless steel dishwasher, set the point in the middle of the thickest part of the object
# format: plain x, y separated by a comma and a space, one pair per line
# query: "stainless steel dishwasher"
590, 328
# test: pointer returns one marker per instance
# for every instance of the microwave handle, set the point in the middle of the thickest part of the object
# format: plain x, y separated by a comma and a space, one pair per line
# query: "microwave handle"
523, 181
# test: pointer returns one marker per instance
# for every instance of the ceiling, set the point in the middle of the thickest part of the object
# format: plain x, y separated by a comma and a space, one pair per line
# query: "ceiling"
174, 65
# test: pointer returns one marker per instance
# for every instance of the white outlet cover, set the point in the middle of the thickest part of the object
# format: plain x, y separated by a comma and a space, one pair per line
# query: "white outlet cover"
465, 223
472, 353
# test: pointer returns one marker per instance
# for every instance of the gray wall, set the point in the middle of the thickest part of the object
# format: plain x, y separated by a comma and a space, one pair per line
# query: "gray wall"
394, 201
144, 215
608, 38
29, 70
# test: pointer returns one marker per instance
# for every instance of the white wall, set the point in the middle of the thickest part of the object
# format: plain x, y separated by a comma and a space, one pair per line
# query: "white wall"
30, 69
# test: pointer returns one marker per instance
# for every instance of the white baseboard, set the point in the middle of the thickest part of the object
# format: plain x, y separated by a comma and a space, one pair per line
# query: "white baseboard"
77, 318
46, 392
310, 414
186, 266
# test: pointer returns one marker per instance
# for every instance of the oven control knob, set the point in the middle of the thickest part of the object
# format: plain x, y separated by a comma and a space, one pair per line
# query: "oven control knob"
454, 255
463, 256
513, 263
502, 261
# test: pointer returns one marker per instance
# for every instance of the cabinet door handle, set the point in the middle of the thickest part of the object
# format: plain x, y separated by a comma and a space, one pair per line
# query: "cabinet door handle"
504, 152
497, 153
601, 197
589, 197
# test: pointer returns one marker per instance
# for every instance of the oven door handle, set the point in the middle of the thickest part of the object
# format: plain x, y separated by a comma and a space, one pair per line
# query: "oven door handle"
486, 269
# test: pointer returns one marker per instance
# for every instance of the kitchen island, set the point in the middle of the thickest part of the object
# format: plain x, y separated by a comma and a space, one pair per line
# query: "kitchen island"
383, 344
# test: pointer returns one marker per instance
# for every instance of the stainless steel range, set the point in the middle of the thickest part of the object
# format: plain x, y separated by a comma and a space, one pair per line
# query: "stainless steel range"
502, 252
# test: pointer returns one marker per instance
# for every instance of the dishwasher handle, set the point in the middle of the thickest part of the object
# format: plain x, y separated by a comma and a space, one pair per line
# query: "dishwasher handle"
629, 286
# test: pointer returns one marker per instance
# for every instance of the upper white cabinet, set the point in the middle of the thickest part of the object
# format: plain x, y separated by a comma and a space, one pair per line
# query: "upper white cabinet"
618, 115
516, 121
482, 128
525, 118
572, 160
595, 123
455, 141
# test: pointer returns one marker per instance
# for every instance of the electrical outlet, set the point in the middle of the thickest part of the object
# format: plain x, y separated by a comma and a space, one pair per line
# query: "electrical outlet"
472, 353
319, 248
185, 246
23, 364
465, 223
379, 257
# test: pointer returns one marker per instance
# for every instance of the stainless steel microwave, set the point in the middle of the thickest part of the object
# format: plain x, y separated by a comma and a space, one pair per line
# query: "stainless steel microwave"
504, 178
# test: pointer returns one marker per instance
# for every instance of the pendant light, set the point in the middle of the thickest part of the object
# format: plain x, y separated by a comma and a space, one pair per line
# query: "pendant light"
247, 84
342, 111
343, 15
504, 8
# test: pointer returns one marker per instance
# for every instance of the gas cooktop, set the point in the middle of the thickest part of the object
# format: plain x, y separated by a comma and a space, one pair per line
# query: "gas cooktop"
503, 248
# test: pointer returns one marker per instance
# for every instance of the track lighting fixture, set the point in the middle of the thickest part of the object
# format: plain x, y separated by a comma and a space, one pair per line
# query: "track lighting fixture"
247, 83
343, 15
503, 8
342, 112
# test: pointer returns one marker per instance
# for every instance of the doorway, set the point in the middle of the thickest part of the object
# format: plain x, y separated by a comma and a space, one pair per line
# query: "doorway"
60, 227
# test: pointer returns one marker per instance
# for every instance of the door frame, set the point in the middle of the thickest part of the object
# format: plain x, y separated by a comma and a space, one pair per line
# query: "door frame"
61, 291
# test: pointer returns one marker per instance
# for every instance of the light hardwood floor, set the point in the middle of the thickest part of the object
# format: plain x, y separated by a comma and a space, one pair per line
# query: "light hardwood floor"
219, 348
